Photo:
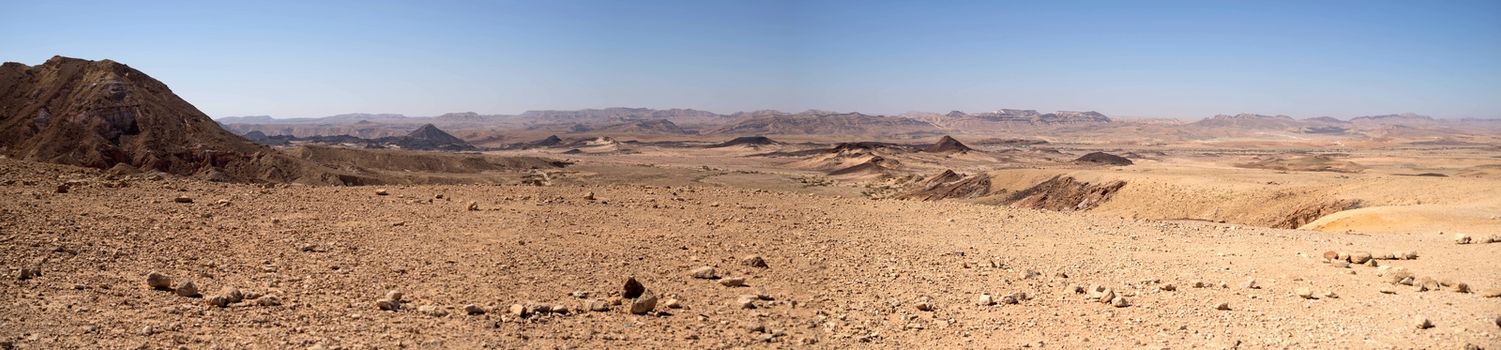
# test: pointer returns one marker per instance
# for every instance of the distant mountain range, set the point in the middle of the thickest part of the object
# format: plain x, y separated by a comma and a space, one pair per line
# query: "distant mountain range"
485, 128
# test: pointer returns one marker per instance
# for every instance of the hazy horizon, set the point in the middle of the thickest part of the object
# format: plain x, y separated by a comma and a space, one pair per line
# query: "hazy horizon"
1173, 59
1118, 117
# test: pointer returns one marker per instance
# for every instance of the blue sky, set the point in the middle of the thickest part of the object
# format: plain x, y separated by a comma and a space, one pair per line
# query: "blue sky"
1183, 59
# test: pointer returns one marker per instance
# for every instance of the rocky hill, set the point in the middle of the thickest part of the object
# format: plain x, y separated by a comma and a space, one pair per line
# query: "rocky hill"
646, 126
103, 113
821, 123
1248, 121
429, 137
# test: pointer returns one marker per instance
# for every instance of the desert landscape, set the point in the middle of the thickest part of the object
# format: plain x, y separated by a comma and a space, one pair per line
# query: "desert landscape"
133, 220
770, 174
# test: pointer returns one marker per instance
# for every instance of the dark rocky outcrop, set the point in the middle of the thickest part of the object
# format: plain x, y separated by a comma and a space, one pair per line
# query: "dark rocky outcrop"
103, 113
1102, 158
1065, 193
948, 145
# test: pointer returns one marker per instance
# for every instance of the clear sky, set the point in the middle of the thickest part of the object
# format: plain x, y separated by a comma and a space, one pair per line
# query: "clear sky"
1183, 59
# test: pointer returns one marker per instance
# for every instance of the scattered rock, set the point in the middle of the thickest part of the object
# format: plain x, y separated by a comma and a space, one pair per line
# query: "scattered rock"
1461, 238
644, 303
1304, 292
1222, 306
218, 300
589, 196
232, 294
1360, 257
754, 261
1409, 255
539, 308
1120, 301
388, 305
433, 311
391, 302
1330, 295
268, 300
746, 301
755, 327
1460, 287
473, 206
520, 311
29, 272
1250, 283
632, 288
1387, 290
1168, 287
925, 305
1028, 273
1201, 284
985, 300
596, 305
187, 289
1010, 300
1428, 284
1493, 292
1101, 294
1331, 255
1422, 322
706, 272
472, 310
158, 281
1396, 276
1340, 264
381, 192
673, 304
733, 282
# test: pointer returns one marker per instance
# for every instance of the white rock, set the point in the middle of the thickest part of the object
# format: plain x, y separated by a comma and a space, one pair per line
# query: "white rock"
1305, 293
746, 301
706, 272
733, 281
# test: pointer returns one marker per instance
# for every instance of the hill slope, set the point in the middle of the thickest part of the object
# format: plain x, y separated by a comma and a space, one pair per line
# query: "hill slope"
102, 113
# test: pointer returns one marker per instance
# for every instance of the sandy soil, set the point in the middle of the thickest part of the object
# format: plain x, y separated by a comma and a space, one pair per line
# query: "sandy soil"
842, 271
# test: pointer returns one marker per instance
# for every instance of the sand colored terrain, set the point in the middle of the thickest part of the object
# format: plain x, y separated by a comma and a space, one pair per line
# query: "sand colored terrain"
1004, 229
841, 273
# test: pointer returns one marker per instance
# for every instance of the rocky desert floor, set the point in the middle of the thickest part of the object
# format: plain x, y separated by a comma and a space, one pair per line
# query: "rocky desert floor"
509, 266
